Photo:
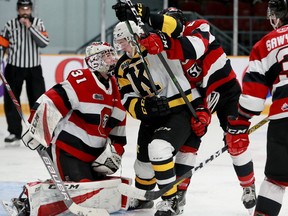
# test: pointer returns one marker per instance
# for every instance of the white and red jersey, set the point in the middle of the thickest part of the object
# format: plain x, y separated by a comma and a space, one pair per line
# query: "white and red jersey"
268, 70
90, 112
204, 61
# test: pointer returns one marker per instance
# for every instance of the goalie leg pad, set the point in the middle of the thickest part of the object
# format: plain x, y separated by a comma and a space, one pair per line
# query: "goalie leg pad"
44, 198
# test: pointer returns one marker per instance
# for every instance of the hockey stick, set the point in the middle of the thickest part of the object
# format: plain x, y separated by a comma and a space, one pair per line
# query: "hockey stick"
163, 61
150, 78
131, 191
55, 176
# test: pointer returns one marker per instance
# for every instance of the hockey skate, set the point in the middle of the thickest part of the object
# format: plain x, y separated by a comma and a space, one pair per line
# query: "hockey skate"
140, 204
168, 207
249, 197
12, 141
22, 206
181, 195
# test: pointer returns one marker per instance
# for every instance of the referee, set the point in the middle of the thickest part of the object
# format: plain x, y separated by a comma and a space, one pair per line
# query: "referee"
21, 39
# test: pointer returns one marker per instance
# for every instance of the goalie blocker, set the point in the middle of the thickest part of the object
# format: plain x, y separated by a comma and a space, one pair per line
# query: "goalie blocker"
43, 198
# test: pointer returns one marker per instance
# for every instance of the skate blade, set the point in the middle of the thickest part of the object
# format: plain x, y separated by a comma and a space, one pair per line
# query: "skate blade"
12, 144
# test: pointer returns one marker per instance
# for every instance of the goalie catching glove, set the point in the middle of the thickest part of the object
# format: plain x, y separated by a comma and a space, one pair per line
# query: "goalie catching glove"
237, 137
155, 43
123, 12
109, 161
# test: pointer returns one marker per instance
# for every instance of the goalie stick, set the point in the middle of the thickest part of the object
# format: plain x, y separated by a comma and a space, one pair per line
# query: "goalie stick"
141, 194
55, 176
162, 59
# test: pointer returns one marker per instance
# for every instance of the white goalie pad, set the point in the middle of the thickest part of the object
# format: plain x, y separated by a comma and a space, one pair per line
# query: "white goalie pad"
44, 198
44, 121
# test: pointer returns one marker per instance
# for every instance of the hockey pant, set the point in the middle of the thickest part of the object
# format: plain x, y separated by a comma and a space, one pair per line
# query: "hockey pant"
158, 143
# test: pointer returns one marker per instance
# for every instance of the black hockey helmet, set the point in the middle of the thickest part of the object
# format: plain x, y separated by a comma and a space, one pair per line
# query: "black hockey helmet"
176, 13
21, 3
278, 9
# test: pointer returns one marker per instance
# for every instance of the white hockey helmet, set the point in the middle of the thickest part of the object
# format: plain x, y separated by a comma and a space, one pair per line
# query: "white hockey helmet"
121, 31
101, 57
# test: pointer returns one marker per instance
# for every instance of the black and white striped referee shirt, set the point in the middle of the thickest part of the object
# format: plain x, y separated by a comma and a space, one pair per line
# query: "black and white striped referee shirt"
22, 43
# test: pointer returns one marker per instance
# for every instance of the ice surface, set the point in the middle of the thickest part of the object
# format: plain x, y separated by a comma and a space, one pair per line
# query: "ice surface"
214, 189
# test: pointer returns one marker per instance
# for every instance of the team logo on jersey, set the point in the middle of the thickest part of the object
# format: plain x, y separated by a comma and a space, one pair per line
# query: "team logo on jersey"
139, 79
104, 117
163, 129
125, 65
194, 71
98, 97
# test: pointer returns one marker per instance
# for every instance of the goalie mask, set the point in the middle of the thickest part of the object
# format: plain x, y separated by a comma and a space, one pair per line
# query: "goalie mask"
277, 10
101, 57
123, 39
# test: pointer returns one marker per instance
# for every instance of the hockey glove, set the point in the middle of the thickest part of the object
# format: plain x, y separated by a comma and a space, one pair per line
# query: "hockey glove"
156, 43
237, 135
123, 12
155, 106
109, 161
29, 141
204, 118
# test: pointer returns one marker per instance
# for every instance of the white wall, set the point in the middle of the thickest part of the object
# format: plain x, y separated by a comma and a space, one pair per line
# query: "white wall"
69, 23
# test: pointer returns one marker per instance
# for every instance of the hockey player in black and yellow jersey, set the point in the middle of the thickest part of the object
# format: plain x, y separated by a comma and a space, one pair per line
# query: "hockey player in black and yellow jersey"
209, 72
165, 118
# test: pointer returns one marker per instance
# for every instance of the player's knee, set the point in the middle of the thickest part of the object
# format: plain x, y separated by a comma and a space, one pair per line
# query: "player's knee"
272, 190
270, 198
186, 158
143, 170
160, 150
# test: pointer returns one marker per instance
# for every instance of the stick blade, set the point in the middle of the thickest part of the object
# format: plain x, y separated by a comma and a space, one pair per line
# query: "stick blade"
84, 211
131, 191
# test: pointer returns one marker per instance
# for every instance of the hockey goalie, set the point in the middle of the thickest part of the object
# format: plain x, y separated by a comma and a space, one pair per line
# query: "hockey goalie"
81, 123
